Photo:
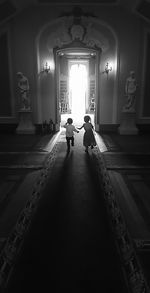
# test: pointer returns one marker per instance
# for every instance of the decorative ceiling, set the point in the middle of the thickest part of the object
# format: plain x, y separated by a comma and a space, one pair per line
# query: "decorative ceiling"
9, 8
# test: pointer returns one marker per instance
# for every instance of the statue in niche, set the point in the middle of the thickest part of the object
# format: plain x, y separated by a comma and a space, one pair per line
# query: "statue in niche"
23, 86
130, 90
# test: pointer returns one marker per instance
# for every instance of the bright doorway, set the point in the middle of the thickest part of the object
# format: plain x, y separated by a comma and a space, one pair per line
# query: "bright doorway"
76, 85
78, 89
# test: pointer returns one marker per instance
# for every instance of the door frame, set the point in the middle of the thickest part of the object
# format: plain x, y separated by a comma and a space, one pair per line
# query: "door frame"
96, 53
86, 63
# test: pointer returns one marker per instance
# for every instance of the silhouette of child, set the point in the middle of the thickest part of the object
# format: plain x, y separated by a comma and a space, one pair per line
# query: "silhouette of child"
70, 129
88, 138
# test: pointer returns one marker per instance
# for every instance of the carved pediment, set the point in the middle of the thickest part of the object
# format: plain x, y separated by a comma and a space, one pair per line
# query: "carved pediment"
86, 32
77, 32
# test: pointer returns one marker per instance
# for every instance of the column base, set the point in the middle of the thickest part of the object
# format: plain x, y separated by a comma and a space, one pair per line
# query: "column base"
25, 125
128, 125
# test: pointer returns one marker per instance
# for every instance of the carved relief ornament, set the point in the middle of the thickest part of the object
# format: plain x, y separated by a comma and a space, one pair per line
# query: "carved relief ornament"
84, 32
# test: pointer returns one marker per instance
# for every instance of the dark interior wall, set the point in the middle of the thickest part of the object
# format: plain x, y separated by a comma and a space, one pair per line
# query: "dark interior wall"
146, 98
23, 53
5, 91
129, 52
108, 83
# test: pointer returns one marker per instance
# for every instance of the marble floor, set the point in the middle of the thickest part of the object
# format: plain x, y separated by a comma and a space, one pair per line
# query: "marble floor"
127, 161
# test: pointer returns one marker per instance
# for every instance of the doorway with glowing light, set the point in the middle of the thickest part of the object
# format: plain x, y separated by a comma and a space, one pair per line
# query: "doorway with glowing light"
78, 88
77, 84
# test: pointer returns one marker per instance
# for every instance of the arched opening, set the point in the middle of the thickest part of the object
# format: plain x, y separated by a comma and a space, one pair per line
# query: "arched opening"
76, 83
64, 41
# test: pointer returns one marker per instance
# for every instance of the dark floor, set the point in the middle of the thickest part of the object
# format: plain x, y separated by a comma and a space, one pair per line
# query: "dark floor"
128, 163
69, 244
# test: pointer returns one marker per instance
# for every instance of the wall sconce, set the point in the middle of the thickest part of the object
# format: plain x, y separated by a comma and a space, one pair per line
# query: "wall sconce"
46, 68
108, 68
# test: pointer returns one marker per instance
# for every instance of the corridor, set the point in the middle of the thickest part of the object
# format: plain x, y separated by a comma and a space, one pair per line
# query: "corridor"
69, 244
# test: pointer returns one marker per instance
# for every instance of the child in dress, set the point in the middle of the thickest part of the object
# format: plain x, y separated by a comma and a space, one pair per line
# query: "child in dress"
88, 138
70, 129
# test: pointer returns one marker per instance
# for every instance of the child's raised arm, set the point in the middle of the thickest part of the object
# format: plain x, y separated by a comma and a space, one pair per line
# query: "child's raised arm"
65, 125
80, 127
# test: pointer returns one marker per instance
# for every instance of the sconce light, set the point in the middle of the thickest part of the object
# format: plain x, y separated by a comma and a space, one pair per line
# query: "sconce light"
108, 68
46, 68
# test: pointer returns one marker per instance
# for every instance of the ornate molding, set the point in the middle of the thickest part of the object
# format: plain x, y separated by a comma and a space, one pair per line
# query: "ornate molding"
85, 31
77, 32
